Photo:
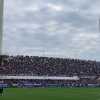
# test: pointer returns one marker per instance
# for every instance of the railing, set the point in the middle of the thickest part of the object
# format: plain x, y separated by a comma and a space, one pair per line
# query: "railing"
40, 77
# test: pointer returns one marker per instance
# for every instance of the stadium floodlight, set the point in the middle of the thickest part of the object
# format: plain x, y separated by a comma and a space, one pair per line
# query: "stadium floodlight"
1, 24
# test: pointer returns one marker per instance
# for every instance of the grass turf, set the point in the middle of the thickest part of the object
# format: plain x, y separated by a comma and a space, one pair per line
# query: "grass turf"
51, 94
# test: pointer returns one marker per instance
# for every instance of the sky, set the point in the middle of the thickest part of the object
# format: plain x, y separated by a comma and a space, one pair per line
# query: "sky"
58, 28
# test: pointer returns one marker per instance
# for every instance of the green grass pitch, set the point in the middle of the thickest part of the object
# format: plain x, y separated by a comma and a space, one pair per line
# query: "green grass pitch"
51, 94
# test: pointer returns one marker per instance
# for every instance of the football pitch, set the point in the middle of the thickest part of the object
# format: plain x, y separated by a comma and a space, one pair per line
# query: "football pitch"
51, 94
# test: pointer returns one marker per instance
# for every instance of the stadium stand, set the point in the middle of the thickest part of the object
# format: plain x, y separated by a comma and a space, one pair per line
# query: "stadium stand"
34, 66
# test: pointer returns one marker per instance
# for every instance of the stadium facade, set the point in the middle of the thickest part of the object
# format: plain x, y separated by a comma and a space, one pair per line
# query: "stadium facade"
1, 24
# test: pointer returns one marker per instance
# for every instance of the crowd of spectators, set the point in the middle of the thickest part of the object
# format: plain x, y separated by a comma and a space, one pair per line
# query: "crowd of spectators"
48, 66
